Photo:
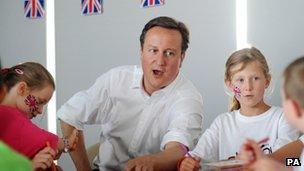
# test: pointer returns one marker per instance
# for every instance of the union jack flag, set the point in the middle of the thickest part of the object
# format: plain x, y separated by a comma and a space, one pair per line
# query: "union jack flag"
34, 8
151, 3
90, 7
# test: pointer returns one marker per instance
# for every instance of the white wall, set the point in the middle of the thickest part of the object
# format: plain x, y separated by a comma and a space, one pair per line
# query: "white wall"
276, 28
21, 40
88, 46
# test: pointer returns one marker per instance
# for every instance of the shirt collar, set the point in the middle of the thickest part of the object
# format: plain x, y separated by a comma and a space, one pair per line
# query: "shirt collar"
138, 76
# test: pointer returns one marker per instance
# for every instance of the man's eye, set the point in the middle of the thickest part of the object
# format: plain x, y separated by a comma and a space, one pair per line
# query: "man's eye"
169, 53
152, 50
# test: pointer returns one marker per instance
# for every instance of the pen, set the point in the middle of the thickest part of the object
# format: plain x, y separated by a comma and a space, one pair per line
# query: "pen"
263, 140
53, 165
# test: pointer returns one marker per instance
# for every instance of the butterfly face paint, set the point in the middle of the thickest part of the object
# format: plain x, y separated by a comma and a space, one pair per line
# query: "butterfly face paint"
32, 103
237, 92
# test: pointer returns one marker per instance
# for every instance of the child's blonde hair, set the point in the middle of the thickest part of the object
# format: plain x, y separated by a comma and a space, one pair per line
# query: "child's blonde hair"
244, 57
32, 73
293, 84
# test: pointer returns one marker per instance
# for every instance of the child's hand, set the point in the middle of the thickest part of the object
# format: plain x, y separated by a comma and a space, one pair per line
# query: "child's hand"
190, 164
43, 159
267, 164
250, 152
73, 139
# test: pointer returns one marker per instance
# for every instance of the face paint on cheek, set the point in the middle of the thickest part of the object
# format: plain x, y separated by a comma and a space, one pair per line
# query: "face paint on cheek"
237, 92
32, 103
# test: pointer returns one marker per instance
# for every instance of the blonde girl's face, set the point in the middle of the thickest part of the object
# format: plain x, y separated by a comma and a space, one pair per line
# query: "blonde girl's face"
32, 102
249, 84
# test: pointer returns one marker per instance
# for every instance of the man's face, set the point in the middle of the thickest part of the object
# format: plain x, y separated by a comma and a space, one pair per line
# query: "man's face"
161, 58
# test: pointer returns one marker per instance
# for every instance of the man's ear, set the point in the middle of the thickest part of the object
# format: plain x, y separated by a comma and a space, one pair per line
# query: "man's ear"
22, 88
182, 59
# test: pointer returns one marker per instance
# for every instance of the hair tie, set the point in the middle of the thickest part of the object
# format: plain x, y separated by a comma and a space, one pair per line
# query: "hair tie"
5, 70
18, 71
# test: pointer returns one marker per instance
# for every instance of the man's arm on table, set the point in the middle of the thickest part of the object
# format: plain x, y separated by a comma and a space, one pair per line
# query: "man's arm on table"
165, 160
79, 155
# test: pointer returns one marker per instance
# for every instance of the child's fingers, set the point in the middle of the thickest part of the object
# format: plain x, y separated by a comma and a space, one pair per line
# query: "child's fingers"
42, 160
48, 150
255, 148
190, 164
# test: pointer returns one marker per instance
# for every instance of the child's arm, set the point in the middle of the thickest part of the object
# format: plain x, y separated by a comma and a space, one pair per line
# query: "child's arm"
68, 144
267, 164
293, 150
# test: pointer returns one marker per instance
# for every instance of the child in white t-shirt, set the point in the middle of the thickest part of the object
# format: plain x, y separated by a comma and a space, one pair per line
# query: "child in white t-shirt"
247, 76
293, 104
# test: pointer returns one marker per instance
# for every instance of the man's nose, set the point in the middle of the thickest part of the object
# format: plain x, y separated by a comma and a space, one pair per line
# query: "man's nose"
160, 59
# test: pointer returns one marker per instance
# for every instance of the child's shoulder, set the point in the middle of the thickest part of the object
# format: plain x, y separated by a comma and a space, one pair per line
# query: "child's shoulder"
276, 109
8, 111
226, 116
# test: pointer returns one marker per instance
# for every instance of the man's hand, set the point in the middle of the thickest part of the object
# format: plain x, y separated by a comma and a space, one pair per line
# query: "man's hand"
43, 159
144, 163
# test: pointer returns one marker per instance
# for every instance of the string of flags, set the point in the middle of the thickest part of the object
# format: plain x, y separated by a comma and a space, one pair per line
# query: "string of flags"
35, 9
90, 7
151, 3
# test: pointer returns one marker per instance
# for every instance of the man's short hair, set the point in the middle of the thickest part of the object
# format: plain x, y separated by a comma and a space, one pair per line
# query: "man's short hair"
168, 23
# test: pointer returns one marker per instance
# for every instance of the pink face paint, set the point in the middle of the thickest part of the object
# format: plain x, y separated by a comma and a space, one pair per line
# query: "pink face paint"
32, 103
237, 92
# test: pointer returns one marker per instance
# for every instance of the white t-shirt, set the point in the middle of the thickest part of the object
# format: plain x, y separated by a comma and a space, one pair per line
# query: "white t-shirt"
229, 131
132, 122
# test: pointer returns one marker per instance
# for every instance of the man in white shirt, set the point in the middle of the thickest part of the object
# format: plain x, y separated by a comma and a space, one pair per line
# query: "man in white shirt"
145, 112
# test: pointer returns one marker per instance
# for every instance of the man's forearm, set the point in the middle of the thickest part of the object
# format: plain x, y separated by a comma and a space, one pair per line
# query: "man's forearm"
168, 159
79, 155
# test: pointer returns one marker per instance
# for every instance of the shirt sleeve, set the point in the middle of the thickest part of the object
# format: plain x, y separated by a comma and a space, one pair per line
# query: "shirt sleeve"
33, 139
89, 106
207, 147
286, 133
186, 123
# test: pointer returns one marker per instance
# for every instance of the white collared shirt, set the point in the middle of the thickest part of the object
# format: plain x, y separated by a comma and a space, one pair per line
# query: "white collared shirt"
132, 122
